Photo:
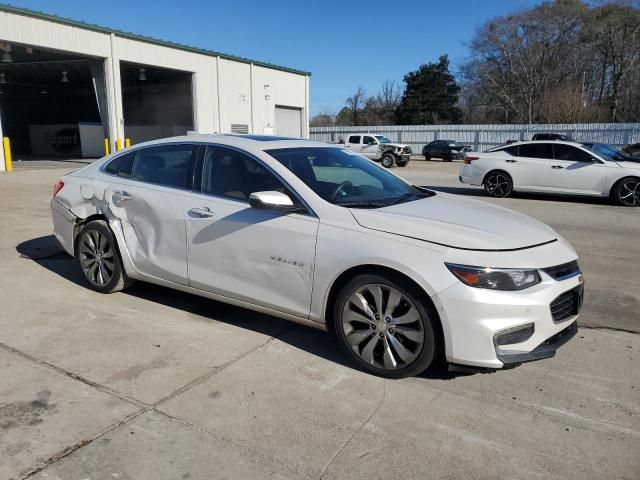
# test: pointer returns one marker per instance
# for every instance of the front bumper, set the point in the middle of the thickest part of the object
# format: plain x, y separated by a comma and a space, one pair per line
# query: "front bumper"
474, 319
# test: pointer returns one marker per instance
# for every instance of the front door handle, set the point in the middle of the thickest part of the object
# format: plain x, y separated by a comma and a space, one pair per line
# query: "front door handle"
121, 195
511, 161
201, 212
557, 166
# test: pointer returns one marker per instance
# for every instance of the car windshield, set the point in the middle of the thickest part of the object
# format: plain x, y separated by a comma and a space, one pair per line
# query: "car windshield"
346, 179
382, 139
609, 152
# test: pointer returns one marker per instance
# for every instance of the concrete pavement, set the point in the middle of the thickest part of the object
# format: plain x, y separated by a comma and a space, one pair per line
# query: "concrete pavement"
157, 384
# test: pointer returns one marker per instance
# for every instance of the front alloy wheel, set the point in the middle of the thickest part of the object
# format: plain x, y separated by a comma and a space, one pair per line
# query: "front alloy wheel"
627, 192
384, 328
498, 184
388, 160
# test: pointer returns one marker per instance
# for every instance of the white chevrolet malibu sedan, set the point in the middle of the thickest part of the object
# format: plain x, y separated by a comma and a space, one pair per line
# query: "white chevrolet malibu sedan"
315, 234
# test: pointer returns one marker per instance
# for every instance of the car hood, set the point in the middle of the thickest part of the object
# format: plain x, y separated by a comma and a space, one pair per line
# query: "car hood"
458, 222
633, 163
394, 145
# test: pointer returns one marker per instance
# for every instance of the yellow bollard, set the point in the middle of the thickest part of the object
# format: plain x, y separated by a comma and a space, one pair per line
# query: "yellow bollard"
127, 142
106, 146
7, 154
118, 144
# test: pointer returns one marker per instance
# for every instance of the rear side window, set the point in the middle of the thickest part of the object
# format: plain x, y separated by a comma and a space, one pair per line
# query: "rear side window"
166, 165
512, 150
567, 152
536, 150
121, 166
354, 139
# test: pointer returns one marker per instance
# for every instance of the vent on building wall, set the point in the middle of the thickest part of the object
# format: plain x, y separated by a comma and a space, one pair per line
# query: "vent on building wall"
239, 128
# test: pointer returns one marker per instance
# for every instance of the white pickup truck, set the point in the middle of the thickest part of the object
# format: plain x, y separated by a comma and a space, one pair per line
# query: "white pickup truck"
378, 148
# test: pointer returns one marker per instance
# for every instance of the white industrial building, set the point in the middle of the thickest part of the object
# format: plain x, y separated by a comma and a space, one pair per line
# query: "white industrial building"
66, 86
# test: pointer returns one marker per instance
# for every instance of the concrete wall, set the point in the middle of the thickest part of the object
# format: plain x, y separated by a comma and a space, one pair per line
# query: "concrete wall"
225, 91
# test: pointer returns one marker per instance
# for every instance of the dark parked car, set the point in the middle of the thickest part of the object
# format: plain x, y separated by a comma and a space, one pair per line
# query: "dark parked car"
633, 149
551, 136
447, 150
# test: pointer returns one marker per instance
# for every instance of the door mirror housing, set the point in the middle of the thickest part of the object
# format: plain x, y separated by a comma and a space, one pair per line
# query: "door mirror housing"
272, 200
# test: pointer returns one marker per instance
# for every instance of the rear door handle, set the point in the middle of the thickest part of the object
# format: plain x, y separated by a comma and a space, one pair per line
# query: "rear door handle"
511, 161
557, 166
201, 212
122, 195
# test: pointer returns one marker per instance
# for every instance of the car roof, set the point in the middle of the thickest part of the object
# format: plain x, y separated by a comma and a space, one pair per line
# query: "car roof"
247, 142
552, 142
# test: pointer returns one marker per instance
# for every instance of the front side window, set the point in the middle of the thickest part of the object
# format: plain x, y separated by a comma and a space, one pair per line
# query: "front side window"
229, 173
536, 150
342, 178
568, 152
368, 141
165, 165
354, 139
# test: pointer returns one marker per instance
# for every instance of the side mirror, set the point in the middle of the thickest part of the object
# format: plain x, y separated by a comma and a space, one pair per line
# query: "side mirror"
272, 200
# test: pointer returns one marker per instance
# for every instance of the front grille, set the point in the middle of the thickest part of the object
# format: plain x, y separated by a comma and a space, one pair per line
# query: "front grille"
568, 304
406, 150
564, 271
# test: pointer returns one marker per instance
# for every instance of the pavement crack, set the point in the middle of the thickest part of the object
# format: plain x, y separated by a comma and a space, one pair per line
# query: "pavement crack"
357, 430
216, 370
74, 376
610, 329
76, 446
240, 446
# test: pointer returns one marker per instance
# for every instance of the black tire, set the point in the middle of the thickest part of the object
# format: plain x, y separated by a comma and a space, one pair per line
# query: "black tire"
388, 160
427, 157
498, 184
626, 192
402, 164
422, 354
99, 258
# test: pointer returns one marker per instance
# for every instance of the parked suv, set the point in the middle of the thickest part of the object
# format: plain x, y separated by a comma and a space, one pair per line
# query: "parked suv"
550, 136
379, 148
447, 150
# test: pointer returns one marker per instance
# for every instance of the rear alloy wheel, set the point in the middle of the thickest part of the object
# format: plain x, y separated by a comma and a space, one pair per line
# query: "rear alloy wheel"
388, 160
627, 192
386, 329
99, 259
498, 184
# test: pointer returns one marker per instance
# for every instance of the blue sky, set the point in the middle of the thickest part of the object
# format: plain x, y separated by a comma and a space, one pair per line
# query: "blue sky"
343, 43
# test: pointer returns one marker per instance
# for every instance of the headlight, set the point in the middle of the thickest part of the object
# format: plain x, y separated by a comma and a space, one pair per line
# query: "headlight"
495, 278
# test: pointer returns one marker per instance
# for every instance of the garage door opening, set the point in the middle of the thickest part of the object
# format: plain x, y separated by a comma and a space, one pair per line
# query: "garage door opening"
46, 99
288, 121
157, 102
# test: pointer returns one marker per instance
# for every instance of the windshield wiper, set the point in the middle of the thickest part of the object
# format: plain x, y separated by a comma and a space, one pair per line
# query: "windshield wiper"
362, 204
405, 196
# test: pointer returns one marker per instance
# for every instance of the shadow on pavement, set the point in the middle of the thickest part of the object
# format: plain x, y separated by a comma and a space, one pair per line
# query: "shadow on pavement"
47, 253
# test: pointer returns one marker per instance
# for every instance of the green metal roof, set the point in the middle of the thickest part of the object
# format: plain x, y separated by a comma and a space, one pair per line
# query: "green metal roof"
141, 38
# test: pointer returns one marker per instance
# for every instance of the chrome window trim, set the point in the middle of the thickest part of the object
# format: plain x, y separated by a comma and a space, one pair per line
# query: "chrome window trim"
103, 167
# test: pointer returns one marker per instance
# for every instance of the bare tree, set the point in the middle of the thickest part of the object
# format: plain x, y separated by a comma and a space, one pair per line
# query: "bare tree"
355, 103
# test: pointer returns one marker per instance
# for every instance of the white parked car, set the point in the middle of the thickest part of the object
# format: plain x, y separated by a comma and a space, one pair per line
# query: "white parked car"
315, 234
553, 167
379, 148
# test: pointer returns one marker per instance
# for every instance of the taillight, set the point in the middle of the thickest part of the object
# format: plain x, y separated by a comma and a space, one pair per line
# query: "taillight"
57, 187
468, 159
